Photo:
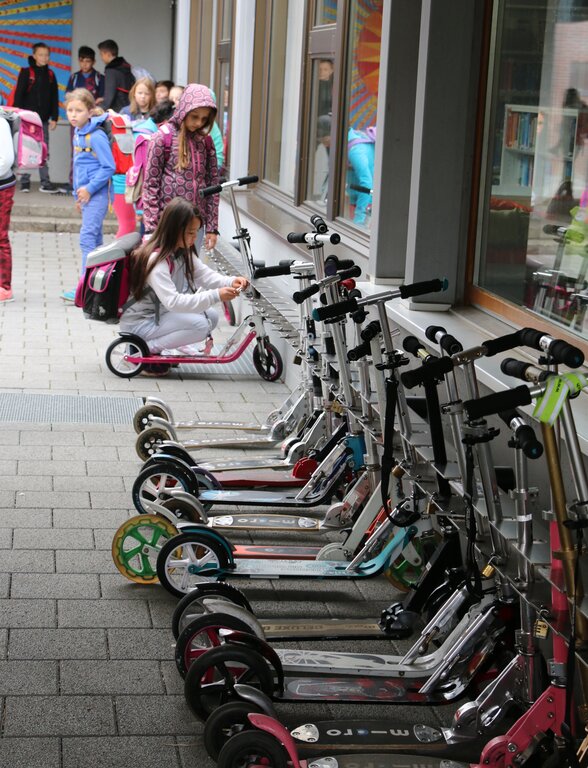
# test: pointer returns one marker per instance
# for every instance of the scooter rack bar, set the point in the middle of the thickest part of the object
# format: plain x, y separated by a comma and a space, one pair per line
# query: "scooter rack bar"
214, 190
402, 292
338, 277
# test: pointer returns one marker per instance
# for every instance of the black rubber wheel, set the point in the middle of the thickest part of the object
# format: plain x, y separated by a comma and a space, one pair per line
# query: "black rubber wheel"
229, 313
156, 482
224, 723
189, 559
202, 634
116, 352
142, 419
183, 510
149, 442
268, 361
191, 605
253, 748
211, 678
172, 449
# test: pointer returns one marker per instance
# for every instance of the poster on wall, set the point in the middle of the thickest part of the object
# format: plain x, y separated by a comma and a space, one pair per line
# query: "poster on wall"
26, 22
366, 41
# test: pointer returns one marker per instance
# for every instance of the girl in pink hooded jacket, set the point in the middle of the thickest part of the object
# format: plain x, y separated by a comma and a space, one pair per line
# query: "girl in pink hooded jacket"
183, 162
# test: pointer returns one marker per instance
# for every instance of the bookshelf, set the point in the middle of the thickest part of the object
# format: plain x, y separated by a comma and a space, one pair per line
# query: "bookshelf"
538, 151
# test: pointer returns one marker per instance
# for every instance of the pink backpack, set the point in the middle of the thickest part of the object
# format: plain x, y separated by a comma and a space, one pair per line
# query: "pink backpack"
30, 150
136, 174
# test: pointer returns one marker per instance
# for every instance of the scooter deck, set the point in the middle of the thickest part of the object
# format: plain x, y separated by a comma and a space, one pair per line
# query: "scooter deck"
237, 425
254, 497
260, 478
374, 760
332, 629
273, 553
267, 522
255, 462
257, 568
330, 737
249, 441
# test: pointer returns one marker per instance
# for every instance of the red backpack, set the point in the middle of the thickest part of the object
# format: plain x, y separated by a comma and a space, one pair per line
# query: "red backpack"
122, 141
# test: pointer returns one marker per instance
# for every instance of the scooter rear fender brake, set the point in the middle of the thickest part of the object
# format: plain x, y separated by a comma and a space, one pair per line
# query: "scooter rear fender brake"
263, 648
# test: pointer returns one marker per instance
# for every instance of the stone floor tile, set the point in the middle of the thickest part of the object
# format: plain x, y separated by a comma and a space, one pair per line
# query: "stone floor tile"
103, 613
97, 677
166, 715
25, 518
59, 716
58, 644
20, 678
108, 519
117, 751
116, 587
55, 585
26, 561
140, 643
18, 613
83, 561
60, 499
52, 468
30, 752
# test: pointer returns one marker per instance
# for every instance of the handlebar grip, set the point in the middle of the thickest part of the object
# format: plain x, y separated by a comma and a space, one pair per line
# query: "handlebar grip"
279, 269
448, 343
296, 237
433, 369
358, 352
502, 343
419, 289
345, 274
332, 264
207, 191
525, 434
371, 330
432, 330
319, 224
497, 402
247, 180
300, 296
412, 345
554, 229
334, 310
514, 368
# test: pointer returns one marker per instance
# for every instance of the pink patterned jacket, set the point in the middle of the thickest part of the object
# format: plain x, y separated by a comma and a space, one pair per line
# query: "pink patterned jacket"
163, 182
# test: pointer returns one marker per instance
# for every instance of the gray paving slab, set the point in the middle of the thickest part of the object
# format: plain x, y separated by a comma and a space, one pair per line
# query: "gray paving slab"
83, 561
140, 643
30, 752
155, 714
6, 538
53, 538
61, 499
19, 613
58, 644
19, 678
117, 751
26, 561
116, 587
54, 585
103, 613
25, 518
108, 519
59, 716
99, 677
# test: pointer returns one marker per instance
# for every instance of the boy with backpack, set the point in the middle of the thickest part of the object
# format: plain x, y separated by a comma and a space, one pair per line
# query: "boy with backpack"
36, 89
87, 76
7, 185
118, 77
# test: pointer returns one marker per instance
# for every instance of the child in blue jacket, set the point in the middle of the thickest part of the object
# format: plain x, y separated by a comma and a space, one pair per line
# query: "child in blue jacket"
92, 170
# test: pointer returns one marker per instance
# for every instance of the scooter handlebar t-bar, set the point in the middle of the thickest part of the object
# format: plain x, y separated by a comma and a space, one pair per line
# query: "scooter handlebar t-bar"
518, 370
216, 188
319, 224
360, 351
403, 292
412, 345
333, 263
432, 369
559, 350
305, 293
524, 433
498, 402
313, 238
371, 330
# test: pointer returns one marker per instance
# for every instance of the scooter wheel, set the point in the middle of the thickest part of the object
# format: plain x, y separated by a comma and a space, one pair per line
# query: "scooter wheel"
142, 419
268, 361
229, 313
224, 723
184, 510
202, 634
157, 482
250, 748
115, 357
211, 678
191, 606
149, 440
136, 544
189, 559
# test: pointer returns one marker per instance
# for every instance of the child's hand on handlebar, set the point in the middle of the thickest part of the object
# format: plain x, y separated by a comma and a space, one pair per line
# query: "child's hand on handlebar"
240, 283
228, 293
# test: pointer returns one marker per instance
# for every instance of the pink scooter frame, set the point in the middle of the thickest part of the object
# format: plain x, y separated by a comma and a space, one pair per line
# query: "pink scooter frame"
194, 359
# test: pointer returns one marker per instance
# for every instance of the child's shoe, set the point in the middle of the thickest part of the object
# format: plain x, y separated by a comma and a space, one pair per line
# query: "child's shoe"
49, 188
69, 296
6, 295
155, 369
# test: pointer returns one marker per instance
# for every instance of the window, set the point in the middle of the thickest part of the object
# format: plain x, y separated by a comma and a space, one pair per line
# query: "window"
533, 249
223, 75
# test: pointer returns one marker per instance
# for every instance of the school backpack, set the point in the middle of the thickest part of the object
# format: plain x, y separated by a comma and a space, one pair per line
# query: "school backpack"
31, 82
136, 173
103, 292
122, 142
30, 150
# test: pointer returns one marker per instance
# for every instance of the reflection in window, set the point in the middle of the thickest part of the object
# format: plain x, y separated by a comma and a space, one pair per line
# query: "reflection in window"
534, 250
320, 134
361, 100
287, 22
227, 20
325, 12
224, 101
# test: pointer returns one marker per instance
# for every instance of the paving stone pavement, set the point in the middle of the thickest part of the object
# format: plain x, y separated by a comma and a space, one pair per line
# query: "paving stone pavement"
87, 676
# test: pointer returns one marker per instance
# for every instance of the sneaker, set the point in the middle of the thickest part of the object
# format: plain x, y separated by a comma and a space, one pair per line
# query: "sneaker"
25, 186
65, 189
6, 295
68, 296
49, 187
155, 369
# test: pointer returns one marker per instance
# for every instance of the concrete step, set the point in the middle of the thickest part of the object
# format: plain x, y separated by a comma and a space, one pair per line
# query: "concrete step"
34, 223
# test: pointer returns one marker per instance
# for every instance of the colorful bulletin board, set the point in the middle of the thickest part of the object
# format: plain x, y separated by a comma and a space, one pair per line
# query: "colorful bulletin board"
365, 43
26, 22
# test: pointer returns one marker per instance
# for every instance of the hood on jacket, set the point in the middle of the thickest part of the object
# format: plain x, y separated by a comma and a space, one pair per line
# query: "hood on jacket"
33, 63
93, 123
117, 63
194, 96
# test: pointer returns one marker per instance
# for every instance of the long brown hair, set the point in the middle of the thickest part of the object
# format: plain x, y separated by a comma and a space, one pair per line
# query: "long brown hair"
175, 219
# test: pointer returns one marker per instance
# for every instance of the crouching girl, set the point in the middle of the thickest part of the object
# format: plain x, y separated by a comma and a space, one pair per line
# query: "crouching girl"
173, 291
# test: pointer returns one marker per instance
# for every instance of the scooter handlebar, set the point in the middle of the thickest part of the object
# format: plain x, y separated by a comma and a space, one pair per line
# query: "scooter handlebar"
559, 350
514, 368
412, 345
497, 402
360, 351
247, 180
305, 293
448, 343
214, 190
371, 330
313, 238
333, 263
433, 369
334, 310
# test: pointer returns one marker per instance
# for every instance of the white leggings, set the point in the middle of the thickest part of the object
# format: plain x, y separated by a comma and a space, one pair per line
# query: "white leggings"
177, 329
